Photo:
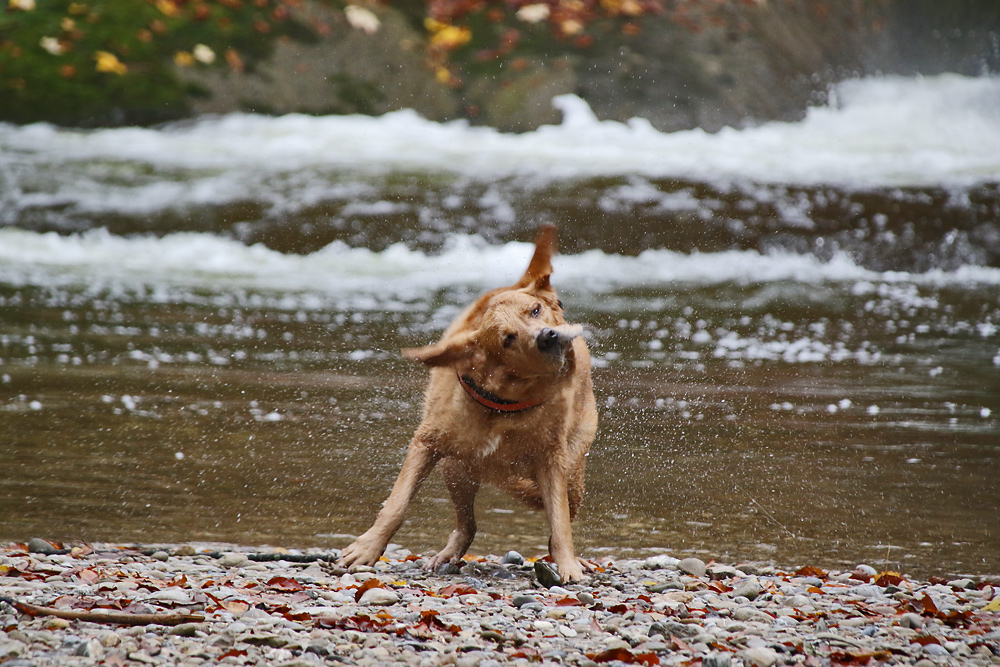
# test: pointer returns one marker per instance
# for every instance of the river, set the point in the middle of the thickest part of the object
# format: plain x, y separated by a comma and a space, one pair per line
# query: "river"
795, 326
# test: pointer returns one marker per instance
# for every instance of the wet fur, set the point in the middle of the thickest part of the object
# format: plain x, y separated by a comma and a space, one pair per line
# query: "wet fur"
536, 455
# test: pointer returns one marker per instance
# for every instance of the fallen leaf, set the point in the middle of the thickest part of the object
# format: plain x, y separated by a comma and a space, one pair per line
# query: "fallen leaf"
888, 579
810, 571
624, 655
235, 607
289, 584
371, 583
457, 589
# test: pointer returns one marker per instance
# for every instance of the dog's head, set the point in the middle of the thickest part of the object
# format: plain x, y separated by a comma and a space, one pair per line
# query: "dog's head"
516, 332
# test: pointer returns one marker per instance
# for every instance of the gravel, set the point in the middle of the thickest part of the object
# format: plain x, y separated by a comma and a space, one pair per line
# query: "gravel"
241, 606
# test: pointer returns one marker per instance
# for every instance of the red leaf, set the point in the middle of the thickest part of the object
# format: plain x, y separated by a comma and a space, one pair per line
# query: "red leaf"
618, 609
527, 652
286, 584
810, 571
924, 640
624, 655
928, 604
233, 653
456, 589
88, 576
371, 583
568, 601
888, 579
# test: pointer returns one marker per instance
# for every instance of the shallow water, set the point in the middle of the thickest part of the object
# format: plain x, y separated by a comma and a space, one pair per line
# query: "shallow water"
203, 345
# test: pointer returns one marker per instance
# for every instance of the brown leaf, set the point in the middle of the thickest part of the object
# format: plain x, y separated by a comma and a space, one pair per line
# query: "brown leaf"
928, 605
810, 571
568, 601
371, 583
457, 589
235, 607
288, 584
624, 655
888, 579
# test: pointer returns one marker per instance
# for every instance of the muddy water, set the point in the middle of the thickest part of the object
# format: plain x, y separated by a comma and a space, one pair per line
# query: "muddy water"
821, 424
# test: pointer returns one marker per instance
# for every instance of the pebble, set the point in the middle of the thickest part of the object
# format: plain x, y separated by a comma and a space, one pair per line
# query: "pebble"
693, 566
379, 597
748, 588
512, 558
233, 559
493, 611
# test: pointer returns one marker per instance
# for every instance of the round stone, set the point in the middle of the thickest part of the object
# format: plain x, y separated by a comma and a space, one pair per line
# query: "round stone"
693, 566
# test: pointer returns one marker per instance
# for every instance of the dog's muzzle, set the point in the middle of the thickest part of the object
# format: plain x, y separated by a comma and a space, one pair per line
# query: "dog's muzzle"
553, 340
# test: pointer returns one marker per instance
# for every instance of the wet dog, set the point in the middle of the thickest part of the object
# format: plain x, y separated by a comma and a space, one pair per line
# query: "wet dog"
510, 403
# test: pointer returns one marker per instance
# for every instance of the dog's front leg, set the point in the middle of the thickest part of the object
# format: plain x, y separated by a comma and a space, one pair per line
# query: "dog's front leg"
366, 549
555, 496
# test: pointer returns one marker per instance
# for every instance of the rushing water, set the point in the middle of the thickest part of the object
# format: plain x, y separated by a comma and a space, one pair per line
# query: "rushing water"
795, 327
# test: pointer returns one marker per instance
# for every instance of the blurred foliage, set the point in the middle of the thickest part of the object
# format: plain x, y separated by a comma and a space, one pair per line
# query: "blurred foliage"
108, 62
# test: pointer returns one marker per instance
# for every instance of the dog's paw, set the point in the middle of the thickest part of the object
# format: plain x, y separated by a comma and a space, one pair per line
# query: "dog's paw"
361, 552
443, 562
571, 571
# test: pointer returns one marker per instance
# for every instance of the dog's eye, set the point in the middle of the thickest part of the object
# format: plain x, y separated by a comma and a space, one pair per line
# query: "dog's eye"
509, 339
537, 310
560, 305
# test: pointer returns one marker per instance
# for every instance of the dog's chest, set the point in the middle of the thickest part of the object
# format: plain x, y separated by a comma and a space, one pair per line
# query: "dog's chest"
491, 444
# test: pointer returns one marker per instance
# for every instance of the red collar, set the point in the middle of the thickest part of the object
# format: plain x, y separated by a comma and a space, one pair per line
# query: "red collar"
491, 401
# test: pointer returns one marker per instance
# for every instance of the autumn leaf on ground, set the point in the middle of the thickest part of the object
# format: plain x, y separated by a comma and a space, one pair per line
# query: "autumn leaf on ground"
285, 584
371, 583
457, 589
624, 655
810, 571
888, 579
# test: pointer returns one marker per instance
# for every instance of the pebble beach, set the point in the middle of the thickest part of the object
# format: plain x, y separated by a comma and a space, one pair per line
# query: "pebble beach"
207, 604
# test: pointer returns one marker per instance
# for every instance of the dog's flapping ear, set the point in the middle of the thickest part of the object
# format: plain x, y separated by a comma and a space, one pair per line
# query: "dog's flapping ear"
445, 352
540, 268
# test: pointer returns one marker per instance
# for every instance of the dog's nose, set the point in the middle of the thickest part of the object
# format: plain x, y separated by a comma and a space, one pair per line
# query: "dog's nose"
547, 339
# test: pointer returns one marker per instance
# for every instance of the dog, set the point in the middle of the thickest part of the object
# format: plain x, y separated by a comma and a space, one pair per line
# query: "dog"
510, 403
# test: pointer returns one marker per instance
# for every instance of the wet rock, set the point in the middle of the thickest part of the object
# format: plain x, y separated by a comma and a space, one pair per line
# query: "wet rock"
521, 600
911, 620
37, 545
160, 555
547, 574
693, 566
185, 550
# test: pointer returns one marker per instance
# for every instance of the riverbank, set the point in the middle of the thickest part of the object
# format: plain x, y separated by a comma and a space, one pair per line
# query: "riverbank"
679, 65
237, 605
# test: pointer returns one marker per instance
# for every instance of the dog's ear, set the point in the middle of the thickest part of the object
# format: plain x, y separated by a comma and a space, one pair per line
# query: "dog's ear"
445, 352
540, 268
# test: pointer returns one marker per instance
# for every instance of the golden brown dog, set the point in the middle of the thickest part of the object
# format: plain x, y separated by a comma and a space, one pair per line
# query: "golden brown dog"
510, 403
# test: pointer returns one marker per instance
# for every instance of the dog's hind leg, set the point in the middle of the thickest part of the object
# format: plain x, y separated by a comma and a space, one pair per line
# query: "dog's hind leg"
462, 488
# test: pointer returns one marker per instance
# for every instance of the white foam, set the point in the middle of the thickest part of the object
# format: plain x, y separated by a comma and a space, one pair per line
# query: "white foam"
888, 131
212, 263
